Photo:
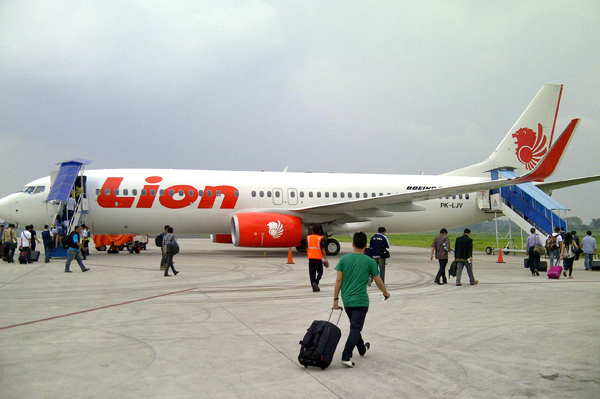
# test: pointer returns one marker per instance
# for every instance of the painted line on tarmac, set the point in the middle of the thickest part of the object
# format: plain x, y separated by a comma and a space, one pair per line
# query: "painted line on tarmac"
94, 309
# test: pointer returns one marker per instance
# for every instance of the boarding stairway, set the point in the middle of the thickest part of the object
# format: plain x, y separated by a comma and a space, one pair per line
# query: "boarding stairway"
68, 182
527, 206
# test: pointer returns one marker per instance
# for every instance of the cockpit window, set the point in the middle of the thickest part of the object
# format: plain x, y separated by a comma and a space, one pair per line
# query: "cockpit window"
39, 189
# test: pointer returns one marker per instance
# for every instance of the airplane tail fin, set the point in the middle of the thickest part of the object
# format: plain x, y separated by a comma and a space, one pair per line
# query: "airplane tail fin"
527, 141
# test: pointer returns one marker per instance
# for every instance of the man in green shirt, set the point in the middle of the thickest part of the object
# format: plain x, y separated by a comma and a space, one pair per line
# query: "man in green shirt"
353, 272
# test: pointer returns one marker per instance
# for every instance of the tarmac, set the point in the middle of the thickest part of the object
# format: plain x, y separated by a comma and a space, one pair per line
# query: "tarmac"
229, 324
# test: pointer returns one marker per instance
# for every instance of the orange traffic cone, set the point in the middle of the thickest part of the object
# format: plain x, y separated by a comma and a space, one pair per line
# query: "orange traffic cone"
290, 259
500, 258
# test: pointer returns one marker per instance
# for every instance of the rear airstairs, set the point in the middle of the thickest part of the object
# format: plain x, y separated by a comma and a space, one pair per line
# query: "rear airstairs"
526, 206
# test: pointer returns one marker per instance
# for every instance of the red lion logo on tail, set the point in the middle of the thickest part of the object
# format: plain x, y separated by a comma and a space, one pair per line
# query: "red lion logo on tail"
531, 147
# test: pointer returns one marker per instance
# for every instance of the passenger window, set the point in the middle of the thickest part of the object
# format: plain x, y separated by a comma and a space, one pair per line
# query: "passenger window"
236, 193
373, 195
218, 193
310, 194
209, 193
466, 196
97, 191
125, 191
318, 194
381, 194
144, 192
200, 193
134, 191
161, 192
342, 194
262, 194
153, 192
277, 194
269, 194
460, 196
334, 194
107, 191
349, 195
254, 193
357, 195
116, 191
301, 194
454, 197
292, 194
326, 194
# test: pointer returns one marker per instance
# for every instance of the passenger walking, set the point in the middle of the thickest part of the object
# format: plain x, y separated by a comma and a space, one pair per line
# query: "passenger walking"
441, 247
576, 239
47, 240
26, 245
316, 253
463, 248
2, 242
568, 254
554, 246
589, 249
163, 259
379, 244
353, 273
10, 243
75, 247
70, 207
34, 239
170, 239
534, 258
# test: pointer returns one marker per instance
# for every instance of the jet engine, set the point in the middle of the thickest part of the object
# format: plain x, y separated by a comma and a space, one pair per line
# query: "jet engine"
269, 230
221, 238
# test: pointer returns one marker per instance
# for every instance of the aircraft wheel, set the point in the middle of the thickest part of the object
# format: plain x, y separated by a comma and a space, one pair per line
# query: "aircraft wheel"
489, 250
505, 252
332, 247
130, 247
101, 248
303, 246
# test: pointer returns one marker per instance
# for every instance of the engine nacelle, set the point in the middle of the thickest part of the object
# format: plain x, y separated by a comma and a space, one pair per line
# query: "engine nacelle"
268, 230
221, 238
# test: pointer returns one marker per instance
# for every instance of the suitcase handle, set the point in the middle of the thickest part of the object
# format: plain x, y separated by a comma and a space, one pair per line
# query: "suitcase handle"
339, 317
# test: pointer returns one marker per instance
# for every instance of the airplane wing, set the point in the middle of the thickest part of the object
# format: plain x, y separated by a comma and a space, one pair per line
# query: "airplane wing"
555, 185
405, 202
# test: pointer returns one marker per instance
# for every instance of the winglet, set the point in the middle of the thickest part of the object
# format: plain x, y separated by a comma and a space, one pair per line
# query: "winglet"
547, 165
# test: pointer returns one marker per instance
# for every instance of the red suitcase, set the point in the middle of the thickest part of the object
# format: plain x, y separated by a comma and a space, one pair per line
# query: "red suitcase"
554, 272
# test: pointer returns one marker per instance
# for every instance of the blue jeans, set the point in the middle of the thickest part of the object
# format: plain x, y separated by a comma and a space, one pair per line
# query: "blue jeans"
554, 255
588, 261
74, 255
47, 249
381, 264
357, 318
459, 267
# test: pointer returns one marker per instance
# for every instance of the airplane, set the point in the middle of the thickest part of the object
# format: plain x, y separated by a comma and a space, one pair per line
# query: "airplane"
278, 209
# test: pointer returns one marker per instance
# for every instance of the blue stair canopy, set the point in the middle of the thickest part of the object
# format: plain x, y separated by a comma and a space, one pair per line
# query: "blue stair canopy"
537, 207
65, 180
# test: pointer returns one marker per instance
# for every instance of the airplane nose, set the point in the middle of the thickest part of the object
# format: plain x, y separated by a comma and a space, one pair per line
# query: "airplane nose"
5, 209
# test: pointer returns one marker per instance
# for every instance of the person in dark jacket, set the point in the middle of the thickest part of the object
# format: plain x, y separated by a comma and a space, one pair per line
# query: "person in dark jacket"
464, 256
378, 243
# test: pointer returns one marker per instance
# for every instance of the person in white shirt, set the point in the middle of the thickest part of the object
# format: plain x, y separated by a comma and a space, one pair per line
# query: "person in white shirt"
26, 243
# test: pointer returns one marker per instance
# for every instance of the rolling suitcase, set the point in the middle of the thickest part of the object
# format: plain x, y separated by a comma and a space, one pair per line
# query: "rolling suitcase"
23, 257
554, 272
35, 256
319, 343
595, 263
543, 266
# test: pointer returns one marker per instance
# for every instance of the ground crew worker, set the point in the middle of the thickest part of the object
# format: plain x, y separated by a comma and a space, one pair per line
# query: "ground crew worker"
316, 254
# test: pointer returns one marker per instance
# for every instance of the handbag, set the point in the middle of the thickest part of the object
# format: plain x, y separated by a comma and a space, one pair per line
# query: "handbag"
384, 253
539, 250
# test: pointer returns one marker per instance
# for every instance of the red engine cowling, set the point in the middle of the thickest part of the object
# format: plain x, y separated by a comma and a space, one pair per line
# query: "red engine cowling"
269, 230
221, 238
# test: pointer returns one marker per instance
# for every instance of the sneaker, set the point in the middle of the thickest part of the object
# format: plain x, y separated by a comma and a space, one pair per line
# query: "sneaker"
175, 273
162, 268
315, 287
474, 282
536, 272
459, 284
86, 269
565, 273
570, 276
367, 347
348, 363
68, 271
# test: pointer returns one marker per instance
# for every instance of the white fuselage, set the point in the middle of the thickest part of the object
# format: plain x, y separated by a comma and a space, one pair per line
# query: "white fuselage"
131, 201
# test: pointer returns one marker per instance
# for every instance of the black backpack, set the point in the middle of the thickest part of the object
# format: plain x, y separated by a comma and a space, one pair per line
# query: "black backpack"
158, 240
67, 241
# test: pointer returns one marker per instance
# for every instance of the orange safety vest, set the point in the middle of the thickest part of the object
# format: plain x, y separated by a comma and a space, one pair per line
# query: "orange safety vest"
314, 246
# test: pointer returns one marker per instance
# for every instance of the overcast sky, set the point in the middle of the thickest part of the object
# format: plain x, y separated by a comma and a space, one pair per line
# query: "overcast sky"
321, 86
